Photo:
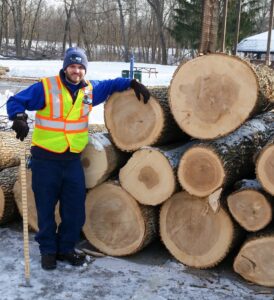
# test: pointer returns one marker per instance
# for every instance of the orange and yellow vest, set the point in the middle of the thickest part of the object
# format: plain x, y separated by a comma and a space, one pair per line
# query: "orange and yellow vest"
61, 124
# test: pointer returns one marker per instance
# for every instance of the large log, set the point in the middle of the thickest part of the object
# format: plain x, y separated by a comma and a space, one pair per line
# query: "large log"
208, 166
32, 213
250, 205
8, 209
255, 260
133, 124
265, 167
100, 159
115, 223
150, 174
208, 100
193, 233
10, 149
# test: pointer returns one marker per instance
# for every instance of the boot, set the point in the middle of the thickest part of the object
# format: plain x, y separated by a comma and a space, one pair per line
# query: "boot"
72, 258
48, 261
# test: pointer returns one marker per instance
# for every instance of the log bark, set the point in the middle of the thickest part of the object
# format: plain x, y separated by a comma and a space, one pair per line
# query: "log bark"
208, 100
100, 159
10, 148
208, 166
150, 174
250, 205
115, 223
8, 209
133, 124
193, 233
32, 214
265, 166
254, 261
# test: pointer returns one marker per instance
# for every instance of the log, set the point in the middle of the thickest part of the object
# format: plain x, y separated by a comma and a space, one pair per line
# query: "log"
115, 223
150, 174
10, 148
254, 261
100, 159
250, 205
8, 209
193, 233
133, 124
208, 166
209, 101
32, 214
265, 167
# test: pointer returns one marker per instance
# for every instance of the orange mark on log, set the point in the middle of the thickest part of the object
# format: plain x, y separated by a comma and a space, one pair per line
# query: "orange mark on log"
149, 177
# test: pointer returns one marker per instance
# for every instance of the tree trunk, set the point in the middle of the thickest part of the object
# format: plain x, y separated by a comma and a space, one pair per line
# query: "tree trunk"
208, 166
265, 167
8, 210
210, 101
10, 149
133, 124
68, 11
250, 206
123, 32
255, 260
150, 174
100, 159
193, 233
32, 214
115, 224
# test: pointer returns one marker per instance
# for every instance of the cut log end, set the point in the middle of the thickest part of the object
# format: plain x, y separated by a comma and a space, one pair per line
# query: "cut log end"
148, 177
200, 171
138, 125
250, 209
194, 234
265, 168
115, 223
210, 101
255, 261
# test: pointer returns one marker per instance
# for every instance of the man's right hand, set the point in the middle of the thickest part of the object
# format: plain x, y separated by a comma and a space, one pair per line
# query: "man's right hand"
20, 126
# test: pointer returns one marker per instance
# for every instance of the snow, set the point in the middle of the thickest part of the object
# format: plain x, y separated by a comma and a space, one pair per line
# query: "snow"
152, 274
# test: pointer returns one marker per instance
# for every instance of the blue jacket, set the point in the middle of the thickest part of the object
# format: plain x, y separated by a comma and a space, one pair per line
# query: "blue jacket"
33, 97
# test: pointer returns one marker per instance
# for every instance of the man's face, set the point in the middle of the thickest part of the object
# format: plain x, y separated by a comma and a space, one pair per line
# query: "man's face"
75, 73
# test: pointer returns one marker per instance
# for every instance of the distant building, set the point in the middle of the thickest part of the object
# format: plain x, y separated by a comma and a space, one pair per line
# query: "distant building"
255, 46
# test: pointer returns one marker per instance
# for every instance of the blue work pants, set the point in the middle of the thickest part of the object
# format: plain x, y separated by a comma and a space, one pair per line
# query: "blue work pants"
62, 180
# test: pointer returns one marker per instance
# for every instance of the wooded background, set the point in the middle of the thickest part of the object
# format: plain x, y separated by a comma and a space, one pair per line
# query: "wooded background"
158, 31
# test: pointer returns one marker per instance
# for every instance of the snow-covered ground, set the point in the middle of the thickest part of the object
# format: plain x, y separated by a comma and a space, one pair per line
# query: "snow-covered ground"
152, 274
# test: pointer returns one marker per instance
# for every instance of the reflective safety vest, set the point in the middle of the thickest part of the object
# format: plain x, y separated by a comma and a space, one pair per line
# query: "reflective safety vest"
61, 124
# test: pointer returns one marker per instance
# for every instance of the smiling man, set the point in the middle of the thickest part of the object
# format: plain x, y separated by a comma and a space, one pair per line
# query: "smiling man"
63, 103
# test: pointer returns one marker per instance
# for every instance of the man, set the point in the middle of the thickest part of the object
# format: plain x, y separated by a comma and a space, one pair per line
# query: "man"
62, 103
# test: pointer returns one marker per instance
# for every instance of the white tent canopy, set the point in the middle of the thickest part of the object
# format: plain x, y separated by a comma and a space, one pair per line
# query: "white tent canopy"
256, 43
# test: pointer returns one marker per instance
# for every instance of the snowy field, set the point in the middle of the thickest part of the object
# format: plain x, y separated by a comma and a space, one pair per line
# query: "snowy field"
152, 274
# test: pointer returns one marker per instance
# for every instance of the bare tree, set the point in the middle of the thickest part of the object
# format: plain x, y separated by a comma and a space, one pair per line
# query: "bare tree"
69, 7
123, 32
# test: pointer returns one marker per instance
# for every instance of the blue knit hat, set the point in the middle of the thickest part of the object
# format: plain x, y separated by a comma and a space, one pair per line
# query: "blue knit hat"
75, 55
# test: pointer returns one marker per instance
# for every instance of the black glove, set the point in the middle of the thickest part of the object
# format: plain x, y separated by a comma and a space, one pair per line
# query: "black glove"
20, 126
139, 90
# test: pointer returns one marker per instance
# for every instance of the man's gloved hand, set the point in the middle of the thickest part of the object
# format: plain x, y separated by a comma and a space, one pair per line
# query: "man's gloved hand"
139, 90
20, 126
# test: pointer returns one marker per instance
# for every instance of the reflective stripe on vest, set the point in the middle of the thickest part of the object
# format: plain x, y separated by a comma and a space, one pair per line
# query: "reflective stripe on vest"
55, 94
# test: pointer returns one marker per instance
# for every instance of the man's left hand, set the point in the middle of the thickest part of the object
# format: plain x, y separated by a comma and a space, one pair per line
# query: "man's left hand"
139, 90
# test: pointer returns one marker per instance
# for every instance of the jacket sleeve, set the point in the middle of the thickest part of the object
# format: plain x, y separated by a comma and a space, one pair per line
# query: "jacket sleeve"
32, 98
103, 89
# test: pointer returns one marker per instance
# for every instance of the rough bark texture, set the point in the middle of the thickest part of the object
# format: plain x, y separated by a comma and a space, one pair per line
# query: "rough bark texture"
254, 261
101, 159
133, 124
210, 101
150, 174
115, 223
250, 205
8, 209
227, 159
10, 149
193, 233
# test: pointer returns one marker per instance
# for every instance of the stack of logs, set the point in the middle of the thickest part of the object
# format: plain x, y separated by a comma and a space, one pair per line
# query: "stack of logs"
202, 151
